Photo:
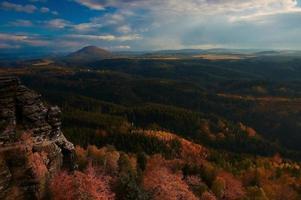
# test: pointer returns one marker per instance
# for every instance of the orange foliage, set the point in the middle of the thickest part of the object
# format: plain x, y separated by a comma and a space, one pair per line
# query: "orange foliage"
94, 151
111, 161
27, 140
234, 189
274, 187
133, 162
81, 157
277, 158
205, 127
193, 180
190, 151
105, 157
250, 131
81, 186
37, 161
208, 196
165, 184
280, 189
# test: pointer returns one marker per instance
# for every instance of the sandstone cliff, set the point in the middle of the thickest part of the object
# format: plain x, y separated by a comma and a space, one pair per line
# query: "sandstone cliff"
27, 164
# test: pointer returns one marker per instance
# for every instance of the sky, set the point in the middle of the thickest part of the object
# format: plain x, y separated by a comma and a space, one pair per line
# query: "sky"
134, 25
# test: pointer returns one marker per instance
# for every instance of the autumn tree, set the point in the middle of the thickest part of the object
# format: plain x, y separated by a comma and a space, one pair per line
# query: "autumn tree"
81, 186
127, 185
256, 193
233, 186
81, 157
208, 196
218, 187
164, 183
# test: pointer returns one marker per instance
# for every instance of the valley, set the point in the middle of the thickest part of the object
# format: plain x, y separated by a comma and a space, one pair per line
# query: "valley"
228, 117
150, 100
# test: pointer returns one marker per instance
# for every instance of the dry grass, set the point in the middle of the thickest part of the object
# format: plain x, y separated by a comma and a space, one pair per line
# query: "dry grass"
43, 63
219, 57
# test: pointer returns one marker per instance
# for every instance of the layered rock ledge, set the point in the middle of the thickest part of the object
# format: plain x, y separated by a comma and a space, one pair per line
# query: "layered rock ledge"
23, 111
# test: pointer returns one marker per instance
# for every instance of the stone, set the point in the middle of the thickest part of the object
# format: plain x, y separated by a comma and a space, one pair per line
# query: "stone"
22, 110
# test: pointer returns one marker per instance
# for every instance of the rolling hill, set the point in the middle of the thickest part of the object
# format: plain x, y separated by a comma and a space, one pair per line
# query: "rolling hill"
88, 54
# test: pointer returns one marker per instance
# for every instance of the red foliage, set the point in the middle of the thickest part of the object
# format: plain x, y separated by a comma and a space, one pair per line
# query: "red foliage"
37, 162
190, 151
208, 196
81, 186
193, 180
234, 189
165, 184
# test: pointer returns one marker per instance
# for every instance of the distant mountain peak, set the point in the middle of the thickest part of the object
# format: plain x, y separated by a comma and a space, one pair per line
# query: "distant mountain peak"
89, 54
92, 48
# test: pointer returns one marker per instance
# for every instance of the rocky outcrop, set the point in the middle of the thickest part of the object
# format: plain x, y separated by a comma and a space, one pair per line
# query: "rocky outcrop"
23, 108
26, 166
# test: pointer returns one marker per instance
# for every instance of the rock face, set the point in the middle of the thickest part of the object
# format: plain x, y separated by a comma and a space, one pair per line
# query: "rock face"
26, 166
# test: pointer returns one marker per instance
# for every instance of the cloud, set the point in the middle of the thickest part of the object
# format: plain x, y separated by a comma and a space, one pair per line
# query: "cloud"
124, 29
129, 37
65, 24
17, 7
19, 41
43, 1
22, 23
91, 4
122, 47
109, 21
214, 23
22, 39
57, 23
84, 27
118, 48
44, 10
197, 7
54, 12
110, 18
265, 9
12, 37
29, 8
108, 37
164, 24
8, 46
47, 10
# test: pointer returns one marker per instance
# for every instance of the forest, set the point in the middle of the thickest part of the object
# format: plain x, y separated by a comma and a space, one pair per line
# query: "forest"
209, 129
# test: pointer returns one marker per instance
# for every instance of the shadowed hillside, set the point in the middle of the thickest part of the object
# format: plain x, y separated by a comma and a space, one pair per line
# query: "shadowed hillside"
87, 54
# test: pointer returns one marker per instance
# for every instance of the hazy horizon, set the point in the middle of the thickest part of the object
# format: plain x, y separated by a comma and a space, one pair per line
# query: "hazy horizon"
60, 51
